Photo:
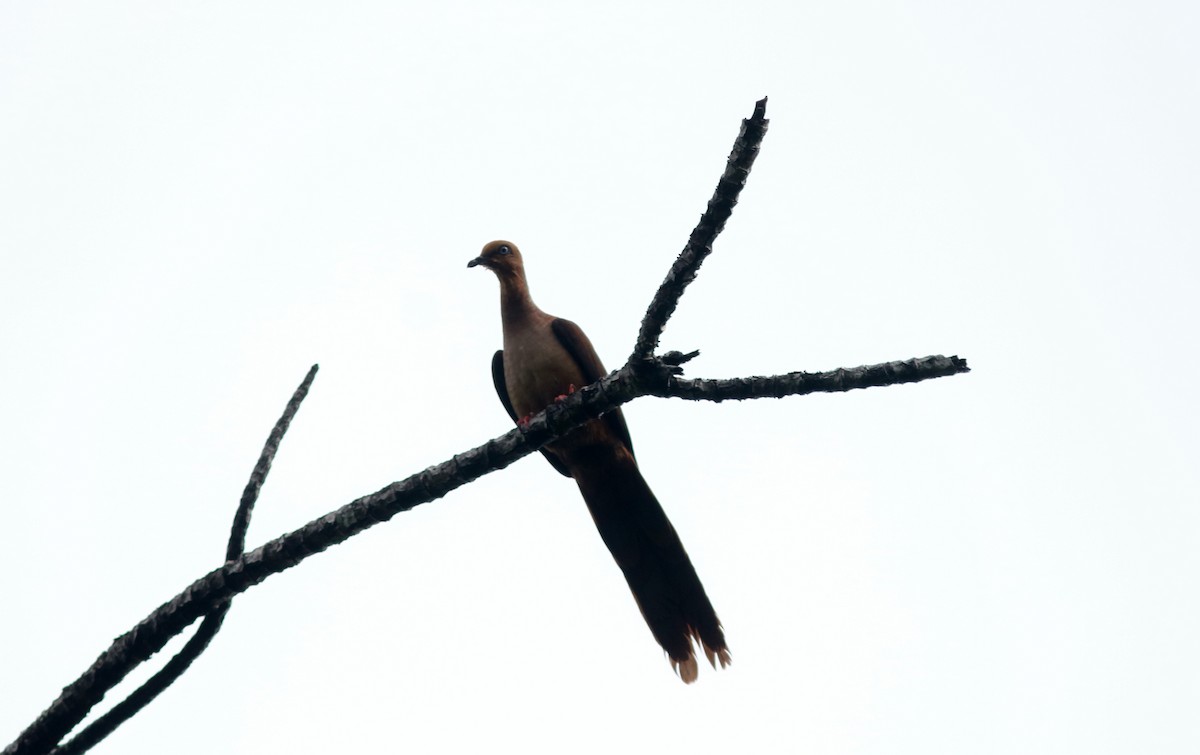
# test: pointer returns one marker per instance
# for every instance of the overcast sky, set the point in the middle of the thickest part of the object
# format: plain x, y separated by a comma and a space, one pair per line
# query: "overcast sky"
199, 200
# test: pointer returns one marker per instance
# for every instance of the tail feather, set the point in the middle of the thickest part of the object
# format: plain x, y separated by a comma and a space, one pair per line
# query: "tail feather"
644, 544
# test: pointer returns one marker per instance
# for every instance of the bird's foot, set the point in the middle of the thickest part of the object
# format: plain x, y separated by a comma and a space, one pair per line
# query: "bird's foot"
570, 390
523, 422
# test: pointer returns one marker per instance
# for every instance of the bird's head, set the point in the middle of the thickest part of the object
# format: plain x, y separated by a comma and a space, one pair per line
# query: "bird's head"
502, 258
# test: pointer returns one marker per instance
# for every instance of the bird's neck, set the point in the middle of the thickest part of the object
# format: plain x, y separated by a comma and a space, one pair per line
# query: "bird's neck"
515, 303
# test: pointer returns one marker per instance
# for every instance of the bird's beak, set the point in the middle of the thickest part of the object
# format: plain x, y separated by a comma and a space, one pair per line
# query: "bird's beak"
477, 261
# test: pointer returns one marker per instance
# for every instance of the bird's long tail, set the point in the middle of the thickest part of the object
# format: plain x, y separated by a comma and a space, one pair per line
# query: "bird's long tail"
657, 568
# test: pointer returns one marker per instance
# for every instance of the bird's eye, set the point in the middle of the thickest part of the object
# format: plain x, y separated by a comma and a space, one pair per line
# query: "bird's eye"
504, 249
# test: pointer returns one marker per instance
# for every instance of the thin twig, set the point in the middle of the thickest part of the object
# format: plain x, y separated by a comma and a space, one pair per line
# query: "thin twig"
241, 519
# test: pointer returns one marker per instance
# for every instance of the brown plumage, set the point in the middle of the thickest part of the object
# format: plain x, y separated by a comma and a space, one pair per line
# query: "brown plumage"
545, 357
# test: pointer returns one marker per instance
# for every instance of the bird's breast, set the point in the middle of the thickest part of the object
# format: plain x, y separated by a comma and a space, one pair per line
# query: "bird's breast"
538, 370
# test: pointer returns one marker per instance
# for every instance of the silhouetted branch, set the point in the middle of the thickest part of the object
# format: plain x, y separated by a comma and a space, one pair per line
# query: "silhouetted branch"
712, 222
642, 375
241, 519
72, 707
801, 383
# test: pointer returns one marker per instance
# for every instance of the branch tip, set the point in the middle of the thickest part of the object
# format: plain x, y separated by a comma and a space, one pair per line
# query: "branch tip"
676, 358
700, 242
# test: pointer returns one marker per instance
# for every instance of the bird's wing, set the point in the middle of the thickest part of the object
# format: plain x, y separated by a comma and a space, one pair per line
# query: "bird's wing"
576, 342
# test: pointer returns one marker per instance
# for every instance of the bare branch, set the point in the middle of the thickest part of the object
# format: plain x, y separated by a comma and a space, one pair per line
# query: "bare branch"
219, 586
241, 519
712, 222
96, 731
642, 375
174, 668
801, 383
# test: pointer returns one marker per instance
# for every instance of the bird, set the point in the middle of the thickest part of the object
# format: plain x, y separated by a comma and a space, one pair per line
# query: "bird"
546, 357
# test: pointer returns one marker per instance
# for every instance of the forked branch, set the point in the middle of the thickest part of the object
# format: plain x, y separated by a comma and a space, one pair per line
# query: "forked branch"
642, 375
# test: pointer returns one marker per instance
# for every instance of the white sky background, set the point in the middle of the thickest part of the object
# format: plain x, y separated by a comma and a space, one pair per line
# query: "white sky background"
198, 201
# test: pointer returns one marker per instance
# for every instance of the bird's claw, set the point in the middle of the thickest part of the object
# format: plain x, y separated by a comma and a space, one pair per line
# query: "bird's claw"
570, 390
